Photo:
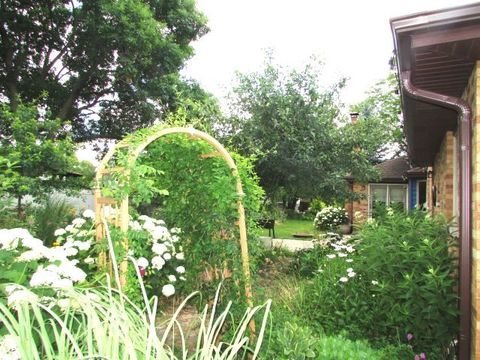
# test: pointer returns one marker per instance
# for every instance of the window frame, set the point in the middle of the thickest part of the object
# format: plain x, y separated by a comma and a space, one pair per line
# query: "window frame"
388, 185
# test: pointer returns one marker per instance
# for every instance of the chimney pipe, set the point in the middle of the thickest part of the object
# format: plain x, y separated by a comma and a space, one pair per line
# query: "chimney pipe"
353, 117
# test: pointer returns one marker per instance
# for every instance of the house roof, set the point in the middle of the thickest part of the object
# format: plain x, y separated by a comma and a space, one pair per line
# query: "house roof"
396, 170
439, 48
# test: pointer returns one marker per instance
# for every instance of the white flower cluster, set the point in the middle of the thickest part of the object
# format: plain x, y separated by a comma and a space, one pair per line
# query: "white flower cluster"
330, 217
9, 348
56, 269
342, 247
164, 249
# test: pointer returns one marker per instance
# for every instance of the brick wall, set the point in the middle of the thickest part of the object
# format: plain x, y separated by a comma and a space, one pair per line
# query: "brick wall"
472, 95
443, 177
359, 209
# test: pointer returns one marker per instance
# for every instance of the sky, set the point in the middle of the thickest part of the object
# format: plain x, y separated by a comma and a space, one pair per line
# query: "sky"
352, 37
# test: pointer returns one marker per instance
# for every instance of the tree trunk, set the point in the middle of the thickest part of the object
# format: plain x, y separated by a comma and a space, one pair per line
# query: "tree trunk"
20, 212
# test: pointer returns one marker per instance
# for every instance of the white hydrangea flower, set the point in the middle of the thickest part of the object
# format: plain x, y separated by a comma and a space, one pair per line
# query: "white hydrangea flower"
56, 254
331, 256
135, 225
160, 232
43, 277
180, 269
349, 260
159, 249
82, 245
176, 230
167, 256
374, 282
78, 222
349, 269
9, 348
32, 243
352, 274
157, 262
343, 279
149, 226
59, 232
32, 255
142, 262
89, 214
180, 256
9, 238
69, 270
168, 290
172, 278
69, 228
70, 251
144, 218
18, 297
175, 238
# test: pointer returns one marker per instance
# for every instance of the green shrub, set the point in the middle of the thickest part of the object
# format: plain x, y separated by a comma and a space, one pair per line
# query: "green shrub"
401, 280
341, 348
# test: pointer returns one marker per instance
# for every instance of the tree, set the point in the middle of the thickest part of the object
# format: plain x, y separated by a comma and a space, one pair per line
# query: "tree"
36, 154
380, 122
291, 124
108, 66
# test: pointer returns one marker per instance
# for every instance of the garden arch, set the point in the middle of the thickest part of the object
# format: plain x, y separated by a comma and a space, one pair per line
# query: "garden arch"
135, 144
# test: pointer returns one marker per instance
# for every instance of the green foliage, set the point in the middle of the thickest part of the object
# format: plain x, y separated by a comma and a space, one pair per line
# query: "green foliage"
379, 125
37, 152
403, 282
202, 201
288, 119
293, 342
50, 215
341, 348
119, 60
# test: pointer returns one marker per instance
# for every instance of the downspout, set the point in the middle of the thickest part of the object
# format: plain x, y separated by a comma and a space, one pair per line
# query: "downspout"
465, 130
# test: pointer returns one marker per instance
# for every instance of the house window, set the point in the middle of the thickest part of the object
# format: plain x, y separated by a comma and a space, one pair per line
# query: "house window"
386, 195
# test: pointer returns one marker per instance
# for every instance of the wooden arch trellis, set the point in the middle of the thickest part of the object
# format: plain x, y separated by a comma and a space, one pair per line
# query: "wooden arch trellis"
119, 216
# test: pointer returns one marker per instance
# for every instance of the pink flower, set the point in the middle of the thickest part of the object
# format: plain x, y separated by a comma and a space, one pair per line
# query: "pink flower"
409, 337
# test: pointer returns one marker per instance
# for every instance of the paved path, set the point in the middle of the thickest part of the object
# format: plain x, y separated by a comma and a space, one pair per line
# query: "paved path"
290, 244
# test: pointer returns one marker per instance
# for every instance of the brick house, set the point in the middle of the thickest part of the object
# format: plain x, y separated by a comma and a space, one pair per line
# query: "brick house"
438, 61
399, 185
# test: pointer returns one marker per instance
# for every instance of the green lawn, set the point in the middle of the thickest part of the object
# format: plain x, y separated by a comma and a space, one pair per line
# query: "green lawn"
288, 227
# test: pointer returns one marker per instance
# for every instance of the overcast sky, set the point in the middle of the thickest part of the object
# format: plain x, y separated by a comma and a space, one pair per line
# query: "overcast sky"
352, 37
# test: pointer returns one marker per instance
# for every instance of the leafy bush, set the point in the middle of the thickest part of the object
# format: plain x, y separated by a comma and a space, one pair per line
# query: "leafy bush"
401, 280
329, 218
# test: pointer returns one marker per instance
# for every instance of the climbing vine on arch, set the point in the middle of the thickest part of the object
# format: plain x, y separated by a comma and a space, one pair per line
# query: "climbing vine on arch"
174, 180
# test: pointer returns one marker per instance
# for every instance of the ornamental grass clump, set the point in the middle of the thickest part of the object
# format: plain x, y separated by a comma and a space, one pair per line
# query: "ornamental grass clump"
50, 321
329, 218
